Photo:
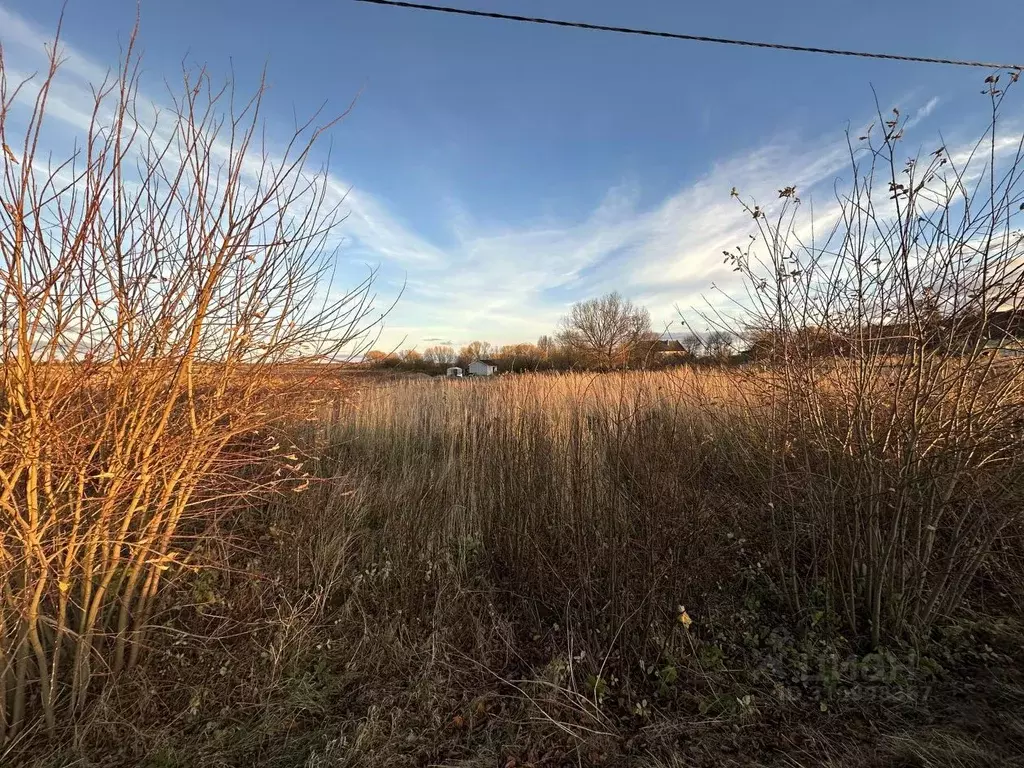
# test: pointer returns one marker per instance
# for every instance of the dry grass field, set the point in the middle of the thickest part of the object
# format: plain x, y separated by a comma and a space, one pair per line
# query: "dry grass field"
621, 569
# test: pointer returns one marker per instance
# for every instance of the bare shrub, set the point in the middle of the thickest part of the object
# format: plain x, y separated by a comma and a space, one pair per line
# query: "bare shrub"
162, 306
893, 440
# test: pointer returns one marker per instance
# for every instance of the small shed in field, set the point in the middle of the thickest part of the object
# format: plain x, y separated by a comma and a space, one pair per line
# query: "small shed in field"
483, 367
454, 372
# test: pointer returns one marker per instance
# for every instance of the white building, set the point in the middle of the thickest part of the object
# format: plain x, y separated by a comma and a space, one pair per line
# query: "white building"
483, 368
454, 372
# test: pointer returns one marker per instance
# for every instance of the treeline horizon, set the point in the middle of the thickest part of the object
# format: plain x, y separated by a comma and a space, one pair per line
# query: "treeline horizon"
606, 333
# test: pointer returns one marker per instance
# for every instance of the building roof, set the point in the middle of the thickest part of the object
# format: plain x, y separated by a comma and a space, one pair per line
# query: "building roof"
485, 361
667, 345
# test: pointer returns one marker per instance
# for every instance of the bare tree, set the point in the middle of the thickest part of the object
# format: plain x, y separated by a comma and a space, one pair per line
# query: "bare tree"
440, 354
475, 350
545, 346
718, 343
518, 357
604, 332
156, 289
692, 343
411, 358
379, 359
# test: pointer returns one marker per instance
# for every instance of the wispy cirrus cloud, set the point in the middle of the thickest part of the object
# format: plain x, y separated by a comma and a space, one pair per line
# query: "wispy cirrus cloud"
514, 282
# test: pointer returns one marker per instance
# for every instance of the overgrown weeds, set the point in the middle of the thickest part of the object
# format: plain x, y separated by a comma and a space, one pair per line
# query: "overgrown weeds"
495, 570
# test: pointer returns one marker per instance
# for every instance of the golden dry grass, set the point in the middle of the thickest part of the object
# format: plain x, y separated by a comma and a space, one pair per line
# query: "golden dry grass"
494, 569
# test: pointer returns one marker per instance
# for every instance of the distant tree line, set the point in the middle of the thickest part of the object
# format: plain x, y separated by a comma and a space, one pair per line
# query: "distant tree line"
601, 334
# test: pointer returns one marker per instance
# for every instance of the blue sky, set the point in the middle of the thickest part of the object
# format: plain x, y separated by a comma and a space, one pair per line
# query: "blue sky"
502, 171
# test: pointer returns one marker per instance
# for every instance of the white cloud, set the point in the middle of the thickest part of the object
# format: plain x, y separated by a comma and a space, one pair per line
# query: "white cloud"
512, 283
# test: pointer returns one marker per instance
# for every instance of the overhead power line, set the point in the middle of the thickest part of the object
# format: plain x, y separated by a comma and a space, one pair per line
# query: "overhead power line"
691, 38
